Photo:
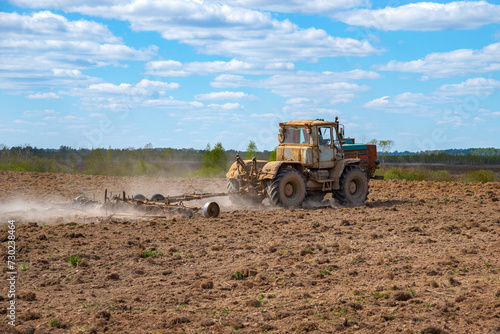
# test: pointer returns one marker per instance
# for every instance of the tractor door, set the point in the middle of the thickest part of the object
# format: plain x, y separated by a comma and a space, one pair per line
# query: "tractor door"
326, 147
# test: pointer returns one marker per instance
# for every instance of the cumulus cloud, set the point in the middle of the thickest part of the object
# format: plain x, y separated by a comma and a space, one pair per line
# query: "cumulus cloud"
220, 29
30, 79
144, 87
449, 104
123, 96
305, 86
230, 81
447, 64
297, 6
473, 87
226, 95
424, 16
173, 68
408, 103
50, 39
297, 100
226, 106
47, 49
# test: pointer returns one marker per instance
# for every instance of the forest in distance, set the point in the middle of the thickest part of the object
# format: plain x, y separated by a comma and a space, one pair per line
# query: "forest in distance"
210, 162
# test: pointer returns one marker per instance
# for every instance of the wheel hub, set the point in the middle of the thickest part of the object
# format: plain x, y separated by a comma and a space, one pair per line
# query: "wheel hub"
288, 190
352, 187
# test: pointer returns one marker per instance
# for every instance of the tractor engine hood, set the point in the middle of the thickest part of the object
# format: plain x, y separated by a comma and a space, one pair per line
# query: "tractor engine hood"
298, 153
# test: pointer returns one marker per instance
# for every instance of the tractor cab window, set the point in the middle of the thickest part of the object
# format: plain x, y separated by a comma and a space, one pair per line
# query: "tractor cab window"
325, 136
295, 135
337, 141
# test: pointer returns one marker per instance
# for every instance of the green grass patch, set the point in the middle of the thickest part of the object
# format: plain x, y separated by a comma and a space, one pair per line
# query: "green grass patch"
74, 260
480, 176
417, 174
425, 174
151, 253
52, 322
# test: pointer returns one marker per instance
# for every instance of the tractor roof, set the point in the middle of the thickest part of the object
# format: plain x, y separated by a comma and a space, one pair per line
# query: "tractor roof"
317, 122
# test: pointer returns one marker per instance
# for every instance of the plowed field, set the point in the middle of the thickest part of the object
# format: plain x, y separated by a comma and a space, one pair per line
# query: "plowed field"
420, 257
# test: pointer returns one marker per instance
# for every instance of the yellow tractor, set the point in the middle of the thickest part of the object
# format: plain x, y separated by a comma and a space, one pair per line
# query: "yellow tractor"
310, 162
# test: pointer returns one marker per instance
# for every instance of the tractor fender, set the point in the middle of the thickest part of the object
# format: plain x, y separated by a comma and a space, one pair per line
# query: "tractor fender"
336, 172
234, 171
271, 168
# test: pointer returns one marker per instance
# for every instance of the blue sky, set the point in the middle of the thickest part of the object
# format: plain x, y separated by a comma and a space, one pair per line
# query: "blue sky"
179, 73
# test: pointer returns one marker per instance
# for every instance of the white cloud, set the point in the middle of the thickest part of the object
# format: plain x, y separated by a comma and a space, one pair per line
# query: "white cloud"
19, 121
47, 49
229, 81
224, 96
7, 130
298, 111
51, 40
123, 96
381, 102
424, 16
448, 105
226, 106
283, 6
325, 88
39, 113
31, 78
77, 127
297, 100
473, 87
172, 68
219, 29
409, 103
297, 6
142, 88
170, 102
72, 118
46, 96
447, 64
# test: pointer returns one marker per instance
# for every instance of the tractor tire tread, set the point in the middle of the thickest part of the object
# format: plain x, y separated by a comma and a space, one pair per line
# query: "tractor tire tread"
339, 194
273, 191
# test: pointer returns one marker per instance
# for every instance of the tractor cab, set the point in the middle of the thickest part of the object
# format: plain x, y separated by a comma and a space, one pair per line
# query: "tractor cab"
315, 144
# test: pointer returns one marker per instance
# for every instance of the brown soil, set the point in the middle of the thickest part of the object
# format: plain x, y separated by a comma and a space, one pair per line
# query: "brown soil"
420, 257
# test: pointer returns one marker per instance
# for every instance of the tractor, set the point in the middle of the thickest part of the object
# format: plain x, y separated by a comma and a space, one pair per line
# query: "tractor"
310, 162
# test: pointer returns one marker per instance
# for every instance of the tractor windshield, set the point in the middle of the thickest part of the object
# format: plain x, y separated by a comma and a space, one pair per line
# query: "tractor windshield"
295, 135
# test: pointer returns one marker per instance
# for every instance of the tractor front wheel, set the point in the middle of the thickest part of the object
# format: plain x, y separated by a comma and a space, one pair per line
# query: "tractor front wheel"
353, 187
287, 189
237, 199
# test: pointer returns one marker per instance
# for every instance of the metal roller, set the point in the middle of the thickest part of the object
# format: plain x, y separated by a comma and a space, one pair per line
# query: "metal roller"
211, 210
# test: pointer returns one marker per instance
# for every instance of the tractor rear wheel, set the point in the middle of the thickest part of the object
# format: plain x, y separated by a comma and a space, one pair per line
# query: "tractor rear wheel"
287, 189
353, 187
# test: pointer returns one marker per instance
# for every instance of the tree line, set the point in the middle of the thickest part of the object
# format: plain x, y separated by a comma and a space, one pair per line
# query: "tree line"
210, 162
